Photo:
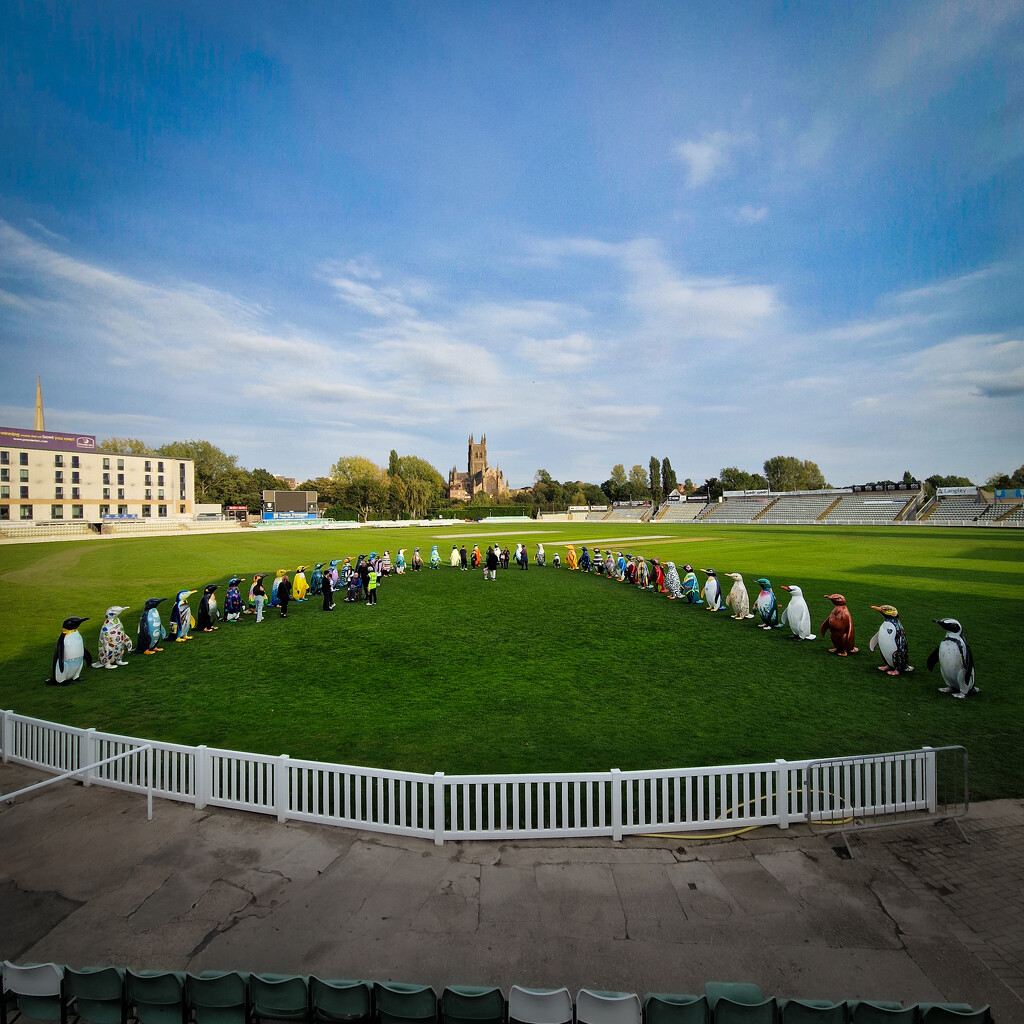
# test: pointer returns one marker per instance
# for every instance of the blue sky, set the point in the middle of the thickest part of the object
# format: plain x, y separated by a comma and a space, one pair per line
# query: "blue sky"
596, 232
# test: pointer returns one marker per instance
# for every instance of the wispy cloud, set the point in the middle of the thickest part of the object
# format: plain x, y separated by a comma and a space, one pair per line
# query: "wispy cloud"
752, 214
704, 158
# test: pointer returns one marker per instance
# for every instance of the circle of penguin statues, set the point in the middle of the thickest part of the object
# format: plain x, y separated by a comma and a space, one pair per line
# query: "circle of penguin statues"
952, 656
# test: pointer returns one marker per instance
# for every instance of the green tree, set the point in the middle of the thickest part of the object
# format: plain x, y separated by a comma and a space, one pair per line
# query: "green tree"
654, 476
214, 468
393, 463
786, 473
688, 486
638, 488
669, 483
936, 481
714, 488
594, 495
353, 468
326, 487
734, 479
1005, 480
125, 446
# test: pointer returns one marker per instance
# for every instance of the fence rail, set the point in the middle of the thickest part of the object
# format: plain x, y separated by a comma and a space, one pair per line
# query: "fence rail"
441, 807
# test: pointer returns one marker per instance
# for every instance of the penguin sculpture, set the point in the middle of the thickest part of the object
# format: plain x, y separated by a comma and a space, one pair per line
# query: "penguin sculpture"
151, 629
540, 555
114, 641
738, 600
691, 588
556, 561
584, 562
182, 619
385, 563
400, 562
275, 601
316, 581
435, 558
300, 586
767, 606
70, 655
453, 559
233, 599
955, 661
840, 626
643, 573
673, 586
571, 561
797, 615
208, 611
712, 590
891, 640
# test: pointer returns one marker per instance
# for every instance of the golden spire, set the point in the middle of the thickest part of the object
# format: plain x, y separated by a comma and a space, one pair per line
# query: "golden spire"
40, 423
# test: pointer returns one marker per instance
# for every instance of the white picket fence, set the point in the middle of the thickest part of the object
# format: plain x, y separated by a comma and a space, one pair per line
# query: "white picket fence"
440, 807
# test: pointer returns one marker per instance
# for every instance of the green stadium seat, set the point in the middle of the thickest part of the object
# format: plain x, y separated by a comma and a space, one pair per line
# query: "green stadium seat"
339, 1001
279, 996
158, 997
881, 1013
595, 1006
218, 997
669, 1008
740, 1003
539, 1005
472, 1004
399, 1003
811, 1011
33, 990
953, 1013
99, 994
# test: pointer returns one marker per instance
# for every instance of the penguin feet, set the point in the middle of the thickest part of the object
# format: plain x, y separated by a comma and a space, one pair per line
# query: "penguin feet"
52, 682
884, 668
122, 663
111, 665
947, 689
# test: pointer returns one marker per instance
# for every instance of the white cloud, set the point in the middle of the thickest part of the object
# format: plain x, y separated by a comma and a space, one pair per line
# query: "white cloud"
558, 355
705, 157
752, 214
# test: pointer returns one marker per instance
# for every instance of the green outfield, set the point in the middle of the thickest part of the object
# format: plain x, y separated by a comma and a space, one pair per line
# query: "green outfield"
542, 670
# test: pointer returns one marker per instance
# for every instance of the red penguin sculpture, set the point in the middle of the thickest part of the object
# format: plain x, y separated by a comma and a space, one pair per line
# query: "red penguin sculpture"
840, 625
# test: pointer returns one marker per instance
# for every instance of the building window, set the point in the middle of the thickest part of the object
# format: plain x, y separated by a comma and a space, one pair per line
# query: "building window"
122, 510
161, 511
74, 492
160, 481
120, 463
58, 476
106, 478
23, 475
5, 490
147, 511
56, 511
5, 474
148, 465
149, 480
23, 461
106, 492
181, 479
5, 512
58, 460
159, 467
120, 478
120, 494
160, 493
181, 509
24, 492
26, 512
76, 478
77, 512
5, 458
58, 492
106, 463
149, 494
104, 511
74, 462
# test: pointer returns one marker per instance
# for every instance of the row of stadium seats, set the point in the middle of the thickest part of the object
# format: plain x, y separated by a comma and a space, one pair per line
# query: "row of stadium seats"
112, 995
736, 510
682, 511
798, 508
861, 508
973, 510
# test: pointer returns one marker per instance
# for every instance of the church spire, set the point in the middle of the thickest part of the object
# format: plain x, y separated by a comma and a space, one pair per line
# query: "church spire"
40, 423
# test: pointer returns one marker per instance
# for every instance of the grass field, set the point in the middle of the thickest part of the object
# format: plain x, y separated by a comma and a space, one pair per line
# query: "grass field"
542, 670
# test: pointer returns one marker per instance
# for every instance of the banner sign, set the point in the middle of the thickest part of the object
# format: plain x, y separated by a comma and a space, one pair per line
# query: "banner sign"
18, 438
288, 515
956, 492
1017, 493
762, 493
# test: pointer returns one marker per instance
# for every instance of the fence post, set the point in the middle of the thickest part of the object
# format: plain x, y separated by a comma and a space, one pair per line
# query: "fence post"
281, 787
89, 755
201, 778
616, 805
439, 808
782, 801
6, 734
931, 776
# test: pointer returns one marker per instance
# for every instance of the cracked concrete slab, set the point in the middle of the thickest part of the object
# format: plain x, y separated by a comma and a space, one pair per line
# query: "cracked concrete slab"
221, 889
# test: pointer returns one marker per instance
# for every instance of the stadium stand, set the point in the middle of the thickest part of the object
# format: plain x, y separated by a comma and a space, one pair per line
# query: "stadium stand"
737, 510
52, 992
958, 510
681, 511
868, 508
595, 514
627, 514
21, 531
799, 508
1016, 516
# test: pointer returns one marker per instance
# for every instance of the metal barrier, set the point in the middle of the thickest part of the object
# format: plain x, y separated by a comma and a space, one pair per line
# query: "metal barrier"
847, 794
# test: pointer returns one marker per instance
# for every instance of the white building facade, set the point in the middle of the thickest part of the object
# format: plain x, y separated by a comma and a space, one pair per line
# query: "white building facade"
48, 476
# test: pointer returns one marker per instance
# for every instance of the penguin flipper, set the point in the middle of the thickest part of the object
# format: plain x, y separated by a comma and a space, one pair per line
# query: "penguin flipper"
873, 642
88, 657
933, 660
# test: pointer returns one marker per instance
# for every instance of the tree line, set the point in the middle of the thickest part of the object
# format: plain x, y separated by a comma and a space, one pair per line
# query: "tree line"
409, 487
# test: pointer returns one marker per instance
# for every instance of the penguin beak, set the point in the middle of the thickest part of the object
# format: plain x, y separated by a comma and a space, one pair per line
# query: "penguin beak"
784, 587
875, 608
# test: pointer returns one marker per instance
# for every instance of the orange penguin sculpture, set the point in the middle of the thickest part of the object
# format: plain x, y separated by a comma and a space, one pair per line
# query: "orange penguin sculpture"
840, 625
